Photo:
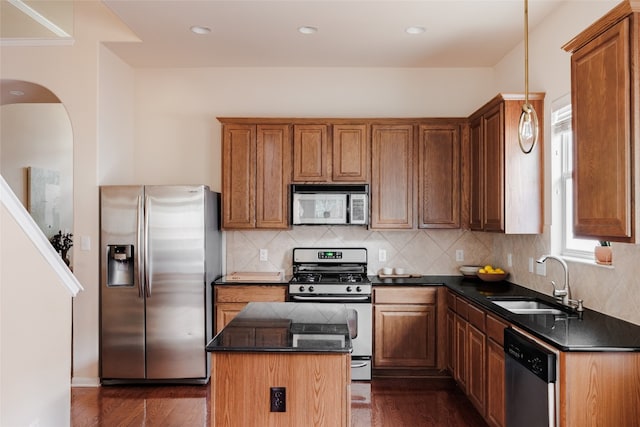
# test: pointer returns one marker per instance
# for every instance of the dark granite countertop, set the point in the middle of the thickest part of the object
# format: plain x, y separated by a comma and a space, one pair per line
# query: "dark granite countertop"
589, 331
286, 327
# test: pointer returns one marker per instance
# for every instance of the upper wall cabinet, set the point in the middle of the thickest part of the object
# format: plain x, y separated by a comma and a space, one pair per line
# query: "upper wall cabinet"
310, 153
256, 173
439, 176
330, 152
350, 152
392, 160
506, 185
605, 98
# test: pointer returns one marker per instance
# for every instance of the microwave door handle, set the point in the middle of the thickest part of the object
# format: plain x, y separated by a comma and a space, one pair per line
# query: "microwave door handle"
295, 211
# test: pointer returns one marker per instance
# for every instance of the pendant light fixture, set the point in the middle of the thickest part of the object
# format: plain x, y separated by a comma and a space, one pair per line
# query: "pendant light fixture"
528, 125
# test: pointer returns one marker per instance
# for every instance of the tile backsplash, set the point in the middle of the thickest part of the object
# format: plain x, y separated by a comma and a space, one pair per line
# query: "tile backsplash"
612, 290
417, 251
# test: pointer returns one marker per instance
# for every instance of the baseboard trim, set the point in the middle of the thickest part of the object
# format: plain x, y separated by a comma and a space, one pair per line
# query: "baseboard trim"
85, 382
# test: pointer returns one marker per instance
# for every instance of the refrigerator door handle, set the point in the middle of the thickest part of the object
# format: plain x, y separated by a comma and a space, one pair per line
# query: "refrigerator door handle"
147, 281
139, 249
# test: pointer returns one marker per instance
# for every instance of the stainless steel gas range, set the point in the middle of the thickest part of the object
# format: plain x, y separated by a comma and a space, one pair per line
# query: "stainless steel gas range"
338, 275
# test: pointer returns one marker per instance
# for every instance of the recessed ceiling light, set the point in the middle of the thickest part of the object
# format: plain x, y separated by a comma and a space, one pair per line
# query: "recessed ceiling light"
306, 29
198, 29
415, 29
16, 92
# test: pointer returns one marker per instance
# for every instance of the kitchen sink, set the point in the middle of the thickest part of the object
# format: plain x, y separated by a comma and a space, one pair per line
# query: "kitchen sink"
527, 306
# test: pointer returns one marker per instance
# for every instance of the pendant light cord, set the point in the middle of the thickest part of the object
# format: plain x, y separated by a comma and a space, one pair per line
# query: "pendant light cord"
526, 52
528, 112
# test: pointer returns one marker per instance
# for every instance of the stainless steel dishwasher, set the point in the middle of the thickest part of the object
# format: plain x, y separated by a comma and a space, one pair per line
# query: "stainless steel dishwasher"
530, 377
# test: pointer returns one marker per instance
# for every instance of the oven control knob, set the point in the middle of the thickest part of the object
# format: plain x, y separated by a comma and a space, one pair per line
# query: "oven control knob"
348, 288
301, 288
310, 288
358, 289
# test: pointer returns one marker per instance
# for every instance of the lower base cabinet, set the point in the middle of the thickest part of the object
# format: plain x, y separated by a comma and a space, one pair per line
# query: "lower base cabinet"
475, 356
406, 321
495, 408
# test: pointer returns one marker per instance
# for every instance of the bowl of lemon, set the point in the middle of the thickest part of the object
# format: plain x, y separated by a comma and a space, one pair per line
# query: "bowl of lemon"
489, 273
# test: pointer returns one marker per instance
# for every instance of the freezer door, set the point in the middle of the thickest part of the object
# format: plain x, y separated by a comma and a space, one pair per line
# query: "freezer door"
175, 260
122, 308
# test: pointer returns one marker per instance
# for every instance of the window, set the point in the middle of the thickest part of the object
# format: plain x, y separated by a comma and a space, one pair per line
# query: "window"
562, 142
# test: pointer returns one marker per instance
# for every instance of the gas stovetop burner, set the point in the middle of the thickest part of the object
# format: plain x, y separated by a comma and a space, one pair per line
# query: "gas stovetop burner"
351, 278
307, 277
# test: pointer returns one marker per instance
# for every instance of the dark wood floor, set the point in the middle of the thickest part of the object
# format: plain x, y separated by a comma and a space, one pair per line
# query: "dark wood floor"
382, 402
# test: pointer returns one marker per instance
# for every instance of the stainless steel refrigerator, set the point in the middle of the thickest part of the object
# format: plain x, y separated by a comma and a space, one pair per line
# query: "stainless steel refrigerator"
160, 250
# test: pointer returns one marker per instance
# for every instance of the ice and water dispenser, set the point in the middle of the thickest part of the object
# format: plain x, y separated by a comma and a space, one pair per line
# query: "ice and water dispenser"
120, 265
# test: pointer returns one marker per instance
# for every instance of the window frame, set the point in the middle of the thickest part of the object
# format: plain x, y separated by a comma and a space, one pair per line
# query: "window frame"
562, 184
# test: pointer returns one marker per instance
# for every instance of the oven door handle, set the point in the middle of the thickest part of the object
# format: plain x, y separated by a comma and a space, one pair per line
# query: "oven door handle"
323, 298
359, 365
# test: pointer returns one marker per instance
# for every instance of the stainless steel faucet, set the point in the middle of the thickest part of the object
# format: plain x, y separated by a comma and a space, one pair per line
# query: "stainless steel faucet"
565, 293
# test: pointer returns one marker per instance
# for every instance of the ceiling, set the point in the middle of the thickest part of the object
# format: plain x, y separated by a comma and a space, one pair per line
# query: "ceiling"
351, 33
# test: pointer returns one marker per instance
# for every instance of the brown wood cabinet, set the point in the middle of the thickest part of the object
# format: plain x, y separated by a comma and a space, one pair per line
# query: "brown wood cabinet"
476, 356
495, 414
413, 167
332, 152
605, 98
229, 300
506, 184
600, 388
476, 170
439, 176
351, 158
256, 173
405, 327
318, 388
392, 166
311, 153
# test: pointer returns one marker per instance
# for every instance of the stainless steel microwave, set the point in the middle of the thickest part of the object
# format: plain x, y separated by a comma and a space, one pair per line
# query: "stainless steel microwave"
330, 204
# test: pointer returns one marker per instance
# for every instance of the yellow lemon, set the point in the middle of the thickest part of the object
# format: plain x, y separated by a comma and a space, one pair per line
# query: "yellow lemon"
488, 268
482, 271
498, 271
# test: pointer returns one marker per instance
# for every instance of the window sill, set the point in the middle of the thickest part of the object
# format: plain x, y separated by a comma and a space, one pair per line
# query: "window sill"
587, 261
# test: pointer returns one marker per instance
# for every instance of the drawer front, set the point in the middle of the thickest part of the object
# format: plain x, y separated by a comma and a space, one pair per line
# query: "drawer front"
405, 295
462, 308
495, 329
476, 317
451, 300
235, 293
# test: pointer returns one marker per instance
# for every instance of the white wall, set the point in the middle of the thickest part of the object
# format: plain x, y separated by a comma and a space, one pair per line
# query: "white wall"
35, 331
71, 72
178, 137
38, 135
116, 89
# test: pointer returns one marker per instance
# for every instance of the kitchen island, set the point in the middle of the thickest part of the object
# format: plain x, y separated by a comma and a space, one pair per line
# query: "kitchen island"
282, 364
